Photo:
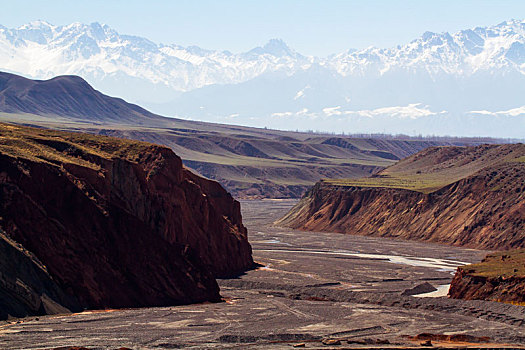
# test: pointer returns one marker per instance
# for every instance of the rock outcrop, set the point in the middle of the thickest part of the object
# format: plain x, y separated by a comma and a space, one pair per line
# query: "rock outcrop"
473, 197
117, 223
499, 277
26, 286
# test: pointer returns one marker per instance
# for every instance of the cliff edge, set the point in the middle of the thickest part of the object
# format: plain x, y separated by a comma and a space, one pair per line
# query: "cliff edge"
114, 223
499, 277
464, 196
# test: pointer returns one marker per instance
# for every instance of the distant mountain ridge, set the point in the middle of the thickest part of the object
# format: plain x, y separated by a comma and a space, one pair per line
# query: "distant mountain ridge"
67, 96
467, 83
42, 50
502, 46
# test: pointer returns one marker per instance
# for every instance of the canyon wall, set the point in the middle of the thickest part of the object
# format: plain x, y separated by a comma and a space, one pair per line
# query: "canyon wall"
117, 223
485, 210
466, 285
500, 276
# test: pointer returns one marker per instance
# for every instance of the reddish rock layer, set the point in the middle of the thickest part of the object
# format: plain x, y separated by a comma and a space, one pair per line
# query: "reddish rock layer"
469, 286
500, 276
118, 223
485, 210
26, 288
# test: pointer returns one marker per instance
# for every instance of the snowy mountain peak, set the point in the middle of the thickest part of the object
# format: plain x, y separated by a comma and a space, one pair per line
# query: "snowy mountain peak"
512, 23
276, 48
38, 24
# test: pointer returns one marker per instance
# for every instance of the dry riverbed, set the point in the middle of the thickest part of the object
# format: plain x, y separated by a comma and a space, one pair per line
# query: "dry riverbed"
309, 287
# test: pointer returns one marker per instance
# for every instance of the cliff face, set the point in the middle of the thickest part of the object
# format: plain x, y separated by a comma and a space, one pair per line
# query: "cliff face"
499, 277
483, 210
471, 287
26, 286
118, 223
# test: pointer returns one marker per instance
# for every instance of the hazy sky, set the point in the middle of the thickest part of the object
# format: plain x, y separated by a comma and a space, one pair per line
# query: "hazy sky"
311, 27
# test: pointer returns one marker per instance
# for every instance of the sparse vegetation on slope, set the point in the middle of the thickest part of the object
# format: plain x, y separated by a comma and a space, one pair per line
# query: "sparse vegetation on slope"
505, 264
50, 146
499, 277
469, 196
436, 167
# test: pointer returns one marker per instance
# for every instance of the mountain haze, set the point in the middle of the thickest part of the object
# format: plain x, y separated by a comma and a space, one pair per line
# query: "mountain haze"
249, 162
67, 96
466, 83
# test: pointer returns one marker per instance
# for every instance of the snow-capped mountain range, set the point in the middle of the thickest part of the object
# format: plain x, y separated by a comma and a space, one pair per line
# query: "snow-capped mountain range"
474, 79
42, 50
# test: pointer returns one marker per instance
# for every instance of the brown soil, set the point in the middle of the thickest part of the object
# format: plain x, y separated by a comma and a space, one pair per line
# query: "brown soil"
298, 297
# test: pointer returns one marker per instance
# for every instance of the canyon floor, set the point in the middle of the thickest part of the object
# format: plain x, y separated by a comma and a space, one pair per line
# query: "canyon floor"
309, 287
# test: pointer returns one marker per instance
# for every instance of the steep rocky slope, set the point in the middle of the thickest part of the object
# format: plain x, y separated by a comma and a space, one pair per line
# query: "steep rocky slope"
468, 196
499, 277
26, 286
117, 223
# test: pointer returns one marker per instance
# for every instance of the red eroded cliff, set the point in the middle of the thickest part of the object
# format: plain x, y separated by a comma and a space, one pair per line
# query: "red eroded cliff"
471, 287
483, 210
118, 223
500, 276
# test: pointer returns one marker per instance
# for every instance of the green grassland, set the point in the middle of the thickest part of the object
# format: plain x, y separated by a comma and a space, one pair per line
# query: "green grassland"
419, 183
52, 146
437, 167
520, 159
500, 264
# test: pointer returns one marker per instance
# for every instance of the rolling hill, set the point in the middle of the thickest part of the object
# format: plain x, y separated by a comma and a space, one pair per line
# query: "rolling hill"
67, 96
249, 162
